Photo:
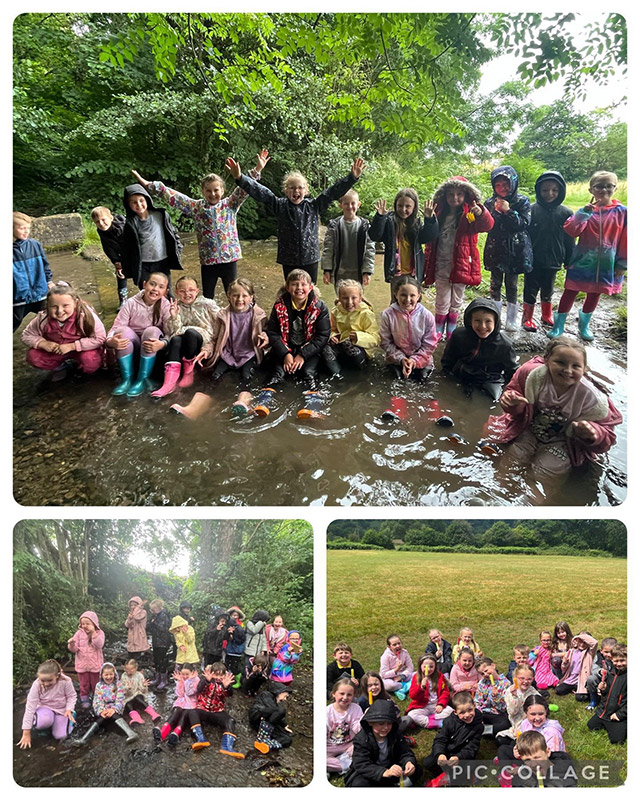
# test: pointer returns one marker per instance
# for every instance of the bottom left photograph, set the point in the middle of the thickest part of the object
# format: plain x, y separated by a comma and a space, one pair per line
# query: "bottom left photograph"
163, 653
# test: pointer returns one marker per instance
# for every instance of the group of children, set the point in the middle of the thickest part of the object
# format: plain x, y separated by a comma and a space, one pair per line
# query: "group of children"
257, 656
554, 414
459, 692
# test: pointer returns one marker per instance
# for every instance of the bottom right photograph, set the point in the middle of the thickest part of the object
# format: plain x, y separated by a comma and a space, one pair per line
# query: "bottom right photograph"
489, 653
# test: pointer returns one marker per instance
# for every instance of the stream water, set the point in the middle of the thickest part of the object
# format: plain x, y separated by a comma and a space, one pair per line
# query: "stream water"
75, 444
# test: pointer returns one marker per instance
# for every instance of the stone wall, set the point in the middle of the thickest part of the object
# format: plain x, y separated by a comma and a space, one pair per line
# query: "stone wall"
58, 230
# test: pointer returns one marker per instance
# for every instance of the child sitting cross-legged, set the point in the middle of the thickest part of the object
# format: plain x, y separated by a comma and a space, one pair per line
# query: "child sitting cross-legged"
371, 689
429, 694
343, 723
457, 740
490, 696
464, 676
381, 754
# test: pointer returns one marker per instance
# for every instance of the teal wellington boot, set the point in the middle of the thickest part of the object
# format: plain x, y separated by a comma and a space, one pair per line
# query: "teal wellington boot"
126, 371
558, 325
146, 365
583, 326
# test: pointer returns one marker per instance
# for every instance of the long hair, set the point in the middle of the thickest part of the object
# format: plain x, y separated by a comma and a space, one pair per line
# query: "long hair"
364, 681
435, 675
85, 325
407, 227
157, 306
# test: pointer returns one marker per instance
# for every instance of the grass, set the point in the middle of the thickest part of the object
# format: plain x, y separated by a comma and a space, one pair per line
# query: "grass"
507, 600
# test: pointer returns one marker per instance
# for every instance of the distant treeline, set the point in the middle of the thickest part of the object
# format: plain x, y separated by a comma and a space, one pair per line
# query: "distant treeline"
527, 537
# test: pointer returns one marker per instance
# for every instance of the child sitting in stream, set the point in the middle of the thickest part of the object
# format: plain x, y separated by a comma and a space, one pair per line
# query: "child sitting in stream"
108, 706
555, 417
354, 329
50, 704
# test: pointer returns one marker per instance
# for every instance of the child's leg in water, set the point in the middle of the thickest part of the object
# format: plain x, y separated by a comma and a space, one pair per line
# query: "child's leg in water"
546, 459
351, 354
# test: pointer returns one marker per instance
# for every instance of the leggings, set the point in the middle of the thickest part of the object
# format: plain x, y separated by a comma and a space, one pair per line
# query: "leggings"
569, 296
45, 718
510, 285
21, 311
540, 279
247, 371
219, 718
417, 374
149, 267
88, 682
210, 273
161, 658
180, 716
347, 353
186, 345
565, 688
135, 339
136, 703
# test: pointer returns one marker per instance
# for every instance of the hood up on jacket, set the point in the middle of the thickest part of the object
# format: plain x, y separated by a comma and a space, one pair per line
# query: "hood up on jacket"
92, 616
241, 614
486, 305
551, 175
275, 688
380, 711
135, 599
471, 193
136, 188
113, 667
184, 605
511, 175
177, 622
260, 616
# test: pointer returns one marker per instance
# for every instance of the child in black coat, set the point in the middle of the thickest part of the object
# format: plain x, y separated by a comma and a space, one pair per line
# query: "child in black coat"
267, 716
110, 230
541, 769
381, 755
552, 246
611, 713
478, 353
458, 740
343, 665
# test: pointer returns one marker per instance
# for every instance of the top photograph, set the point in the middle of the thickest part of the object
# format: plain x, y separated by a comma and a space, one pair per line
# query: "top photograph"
316, 259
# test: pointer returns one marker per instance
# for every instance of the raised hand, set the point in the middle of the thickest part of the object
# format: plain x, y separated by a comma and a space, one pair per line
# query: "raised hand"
140, 179
511, 400
502, 206
358, 167
262, 160
174, 308
476, 209
430, 209
233, 167
381, 207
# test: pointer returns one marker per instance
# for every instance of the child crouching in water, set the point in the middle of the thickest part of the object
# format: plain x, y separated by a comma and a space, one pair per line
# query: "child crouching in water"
555, 417
135, 693
381, 754
267, 716
67, 333
108, 705
354, 330
50, 704
236, 344
298, 329
140, 325
190, 330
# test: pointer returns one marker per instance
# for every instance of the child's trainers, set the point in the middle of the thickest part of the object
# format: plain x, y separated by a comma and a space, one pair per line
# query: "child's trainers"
590, 706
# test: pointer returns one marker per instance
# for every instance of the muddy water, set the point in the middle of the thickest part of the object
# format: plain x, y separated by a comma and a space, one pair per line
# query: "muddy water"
108, 761
75, 444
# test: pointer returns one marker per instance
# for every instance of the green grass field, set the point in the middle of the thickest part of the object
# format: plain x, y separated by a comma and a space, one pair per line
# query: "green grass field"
507, 600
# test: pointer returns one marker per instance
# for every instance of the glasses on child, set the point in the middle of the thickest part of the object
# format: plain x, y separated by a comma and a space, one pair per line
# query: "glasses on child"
607, 186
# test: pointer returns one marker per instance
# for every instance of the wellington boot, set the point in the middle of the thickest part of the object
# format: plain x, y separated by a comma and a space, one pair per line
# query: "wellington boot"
228, 745
527, 317
441, 324
126, 371
200, 741
452, 323
558, 325
150, 710
547, 314
397, 410
142, 383
265, 402
512, 317
583, 326
313, 406
171, 375
135, 717
94, 728
188, 366
132, 736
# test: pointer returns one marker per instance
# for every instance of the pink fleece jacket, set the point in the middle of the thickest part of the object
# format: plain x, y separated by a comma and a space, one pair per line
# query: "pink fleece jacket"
88, 652
406, 334
138, 316
59, 698
36, 331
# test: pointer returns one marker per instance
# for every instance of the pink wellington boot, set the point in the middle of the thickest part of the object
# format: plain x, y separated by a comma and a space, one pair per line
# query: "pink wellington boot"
171, 375
160, 734
135, 717
188, 365
397, 410
152, 713
433, 723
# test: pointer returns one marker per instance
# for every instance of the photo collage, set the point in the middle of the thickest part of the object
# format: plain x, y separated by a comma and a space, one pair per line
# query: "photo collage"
320, 375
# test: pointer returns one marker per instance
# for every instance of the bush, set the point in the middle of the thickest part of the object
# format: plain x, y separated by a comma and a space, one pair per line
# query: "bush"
343, 544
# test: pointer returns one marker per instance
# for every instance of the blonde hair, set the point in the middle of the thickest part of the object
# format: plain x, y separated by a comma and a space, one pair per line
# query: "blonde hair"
95, 212
18, 216
349, 283
243, 283
156, 605
350, 193
292, 176
212, 178
603, 174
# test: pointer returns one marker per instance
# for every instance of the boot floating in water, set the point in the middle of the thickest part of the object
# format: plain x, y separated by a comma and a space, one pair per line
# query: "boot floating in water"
434, 413
313, 406
489, 448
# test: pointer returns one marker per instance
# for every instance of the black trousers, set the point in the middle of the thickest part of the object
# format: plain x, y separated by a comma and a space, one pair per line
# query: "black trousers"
308, 372
312, 269
20, 312
161, 658
347, 353
564, 688
247, 371
219, 718
539, 280
617, 731
149, 267
210, 273
500, 722
136, 703
181, 716
187, 345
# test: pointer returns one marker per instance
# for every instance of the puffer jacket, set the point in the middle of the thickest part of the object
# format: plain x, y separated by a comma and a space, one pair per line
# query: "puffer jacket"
131, 252
89, 656
508, 246
552, 245
465, 262
199, 316
474, 360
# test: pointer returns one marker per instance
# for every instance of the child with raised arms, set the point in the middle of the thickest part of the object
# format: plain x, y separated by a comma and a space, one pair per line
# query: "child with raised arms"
136, 625
135, 693
214, 217
296, 214
555, 417
576, 666
452, 261
216, 685
343, 723
184, 709
139, 326
288, 656
50, 704
68, 333
403, 235
354, 329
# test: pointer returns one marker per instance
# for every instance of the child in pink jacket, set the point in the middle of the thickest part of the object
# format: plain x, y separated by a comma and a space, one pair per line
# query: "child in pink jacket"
50, 704
136, 624
87, 643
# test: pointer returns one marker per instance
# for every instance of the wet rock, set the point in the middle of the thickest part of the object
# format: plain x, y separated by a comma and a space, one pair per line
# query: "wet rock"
93, 252
58, 230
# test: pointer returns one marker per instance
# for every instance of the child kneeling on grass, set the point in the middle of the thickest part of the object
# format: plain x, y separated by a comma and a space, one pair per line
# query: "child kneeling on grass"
381, 755
458, 740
